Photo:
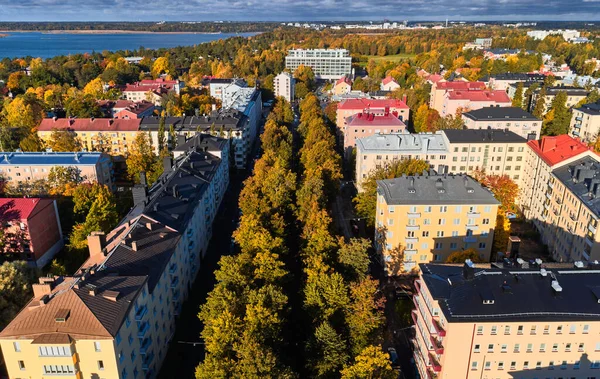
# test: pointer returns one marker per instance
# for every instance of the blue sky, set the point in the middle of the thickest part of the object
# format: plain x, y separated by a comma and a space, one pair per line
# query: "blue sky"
291, 10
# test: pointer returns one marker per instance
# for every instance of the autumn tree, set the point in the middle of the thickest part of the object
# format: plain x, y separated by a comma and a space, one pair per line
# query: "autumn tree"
64, 140
63, 180
141, 157
462, 255
558, 122
371, 363
540, 104
162, 65
101, 216
15, 289
505, 190
517, 100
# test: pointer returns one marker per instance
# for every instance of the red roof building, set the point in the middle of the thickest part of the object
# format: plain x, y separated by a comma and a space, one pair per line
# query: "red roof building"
470, 100
378, 107
89, 124
363, 125
480, 95
33, 227
460, 86
556, 149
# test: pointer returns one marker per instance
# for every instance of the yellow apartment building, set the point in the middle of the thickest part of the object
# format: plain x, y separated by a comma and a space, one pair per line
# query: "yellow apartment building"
113, 136
492, 322
431, 216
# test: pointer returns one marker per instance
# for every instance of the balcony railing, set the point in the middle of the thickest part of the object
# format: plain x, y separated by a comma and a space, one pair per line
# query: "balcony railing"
144, 327
437, 345
140, 313
433, 362
146, 344
413, 215
592, 228
550, 184
175, 282
470, 239
147, 361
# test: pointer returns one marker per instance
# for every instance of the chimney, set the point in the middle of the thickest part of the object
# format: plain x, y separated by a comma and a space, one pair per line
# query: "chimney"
548, 143
167, 164
134, 245
150, 226
96, 243
404, 99
40, 290
469, 270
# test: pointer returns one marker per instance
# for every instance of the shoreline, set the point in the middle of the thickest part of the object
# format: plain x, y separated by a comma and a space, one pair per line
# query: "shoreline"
116, 31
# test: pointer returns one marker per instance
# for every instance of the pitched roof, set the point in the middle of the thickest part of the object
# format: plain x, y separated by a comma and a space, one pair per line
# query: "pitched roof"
460, 85
362, 104
500, 114
556, 149
497, 96
22, 208
413, 143
344, 79
434, 189
90, 124
388, 79
370, 119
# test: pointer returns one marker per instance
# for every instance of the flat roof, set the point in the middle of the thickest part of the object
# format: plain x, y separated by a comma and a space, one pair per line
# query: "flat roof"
50, 159
413, 143
500, 114
593, 109
517, 294
580, 177
482, 136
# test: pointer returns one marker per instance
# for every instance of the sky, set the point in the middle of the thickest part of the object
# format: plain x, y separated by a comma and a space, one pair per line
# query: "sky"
298, 10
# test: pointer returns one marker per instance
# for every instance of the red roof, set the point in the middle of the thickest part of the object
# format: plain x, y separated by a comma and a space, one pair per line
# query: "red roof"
22, 207
497, 96
370, 119
554, 150
90, 124
388, 80
435, 78
344, 79
458, 86
361, 104
157, 88
150, 82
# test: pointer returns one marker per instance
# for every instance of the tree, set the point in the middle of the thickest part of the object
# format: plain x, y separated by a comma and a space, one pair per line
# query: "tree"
102, 216
162, 65
162, 139
371, 363
365, 202
63, 180
57, 268
354, 258
12, 239
364, 315
505, 190
140, 158
305, 75
23, 112
95, 88
328, 349
540, 104
462, 255
64, 140
517, 100
15, 289
84, 196
560, 119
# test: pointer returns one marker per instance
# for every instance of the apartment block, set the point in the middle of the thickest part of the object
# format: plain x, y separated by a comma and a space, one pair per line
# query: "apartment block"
366, 124
342, 86
574, 96
38, 222
488, 321
329, 64
115, 316
558, 195
512, 118
113, 136
151, 90
585, 122
431, 216
25, 167
440, 88
497, 152
284, 85
378, 107
465, 101
504, 80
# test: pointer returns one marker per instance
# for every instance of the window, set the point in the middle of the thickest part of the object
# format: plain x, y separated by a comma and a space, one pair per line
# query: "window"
563, 366
503, 349
100, 365
559, 329
491, 348
428, 209
425, 234
513, 365
529, 347
458, 209
17, 346
442, 221
520, 329
533, 329
456, 221
130, 339
542, 348
538, 365
455, 233
568, 347
476, 349
547, 329
485, 221
413, 209
118, 338
440, 233
391, 209
507, 329
551, 365
54, 351
21, 365
573, 329
494, 330
426, 221
581, 346
576, 365
525, 365
586, 329
517, 348
488, 365
443, 209
479, 330
97, 346
500, 365
453, 245
555, 348
482, 245
438, 245
474, 365
390, 221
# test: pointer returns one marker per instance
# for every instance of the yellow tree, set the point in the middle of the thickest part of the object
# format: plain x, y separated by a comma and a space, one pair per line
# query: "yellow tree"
161, 65
94, 88
371, 363
23, 112
14, 80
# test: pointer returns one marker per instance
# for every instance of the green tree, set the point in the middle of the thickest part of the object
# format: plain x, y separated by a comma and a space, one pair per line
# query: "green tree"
371, 363
540, 104
15, 289
365, 202
63, 140
140, 158
328, 349
354, 258
517, 100
63, 180
161, 134
364, 315
85, 194
558, 124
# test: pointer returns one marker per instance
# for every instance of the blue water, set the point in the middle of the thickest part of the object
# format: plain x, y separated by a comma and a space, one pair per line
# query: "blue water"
49, 45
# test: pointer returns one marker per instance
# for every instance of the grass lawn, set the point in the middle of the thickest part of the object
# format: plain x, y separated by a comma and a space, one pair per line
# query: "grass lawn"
392, 58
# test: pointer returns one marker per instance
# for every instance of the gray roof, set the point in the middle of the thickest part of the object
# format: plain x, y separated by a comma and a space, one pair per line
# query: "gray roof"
482, 136
593, 109
521, 76
413, 143
500, 114
434, 189
51, 159
582, 177
515, 294
203, 142
228, 119
571, 91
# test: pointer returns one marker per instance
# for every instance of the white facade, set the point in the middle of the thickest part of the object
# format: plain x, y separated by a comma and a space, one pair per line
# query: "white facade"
284, 85
326, 63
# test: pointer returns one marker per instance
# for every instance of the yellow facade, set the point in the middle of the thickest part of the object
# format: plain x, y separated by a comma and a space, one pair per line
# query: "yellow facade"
112, 142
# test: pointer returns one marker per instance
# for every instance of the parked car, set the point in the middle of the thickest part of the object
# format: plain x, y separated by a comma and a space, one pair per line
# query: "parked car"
393, 356
511, 215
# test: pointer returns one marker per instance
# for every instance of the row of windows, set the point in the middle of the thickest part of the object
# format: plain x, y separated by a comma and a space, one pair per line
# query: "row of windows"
538, 365
437, 246
498, 149
568, 347
533, 330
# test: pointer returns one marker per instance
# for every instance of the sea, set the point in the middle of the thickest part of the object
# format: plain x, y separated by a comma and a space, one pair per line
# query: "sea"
47, 45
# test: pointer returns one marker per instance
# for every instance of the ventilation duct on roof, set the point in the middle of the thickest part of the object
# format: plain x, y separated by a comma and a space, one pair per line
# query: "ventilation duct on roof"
556, 287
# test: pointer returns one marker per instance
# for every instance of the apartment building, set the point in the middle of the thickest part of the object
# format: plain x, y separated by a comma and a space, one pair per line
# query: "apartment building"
574, 96
514, 119
113, 136
558, 195
38, 222
379, 107
329, 64
485, 321
465, 101
440, 88
115, 316
430, 217
585, 122
496, 152
284, 85
503, 81
151, 90
230, 124
126, 109
367, 124
342, 86
24, 167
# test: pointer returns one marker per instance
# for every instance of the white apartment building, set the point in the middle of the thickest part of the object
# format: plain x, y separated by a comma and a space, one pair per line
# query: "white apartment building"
284, 85
330, 64
585, 123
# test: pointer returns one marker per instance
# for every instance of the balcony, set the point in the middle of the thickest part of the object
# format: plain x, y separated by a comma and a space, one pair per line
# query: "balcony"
547, 205
433, 362
412, 239
147, 361
579, 118
144, 327
550, 184
592, 228
173, 268
437, 345
412, 227
146, 344
549, 195
140, 313
438, 328
575, 133
473, 214
175, 282
472, 226
573, 217
175, 296
413, 215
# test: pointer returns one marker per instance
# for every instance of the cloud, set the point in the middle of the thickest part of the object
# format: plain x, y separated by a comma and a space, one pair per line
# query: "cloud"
295, 10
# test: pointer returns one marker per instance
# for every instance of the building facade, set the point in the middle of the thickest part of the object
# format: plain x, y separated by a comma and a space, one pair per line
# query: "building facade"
514, 119
342, 86
38, 222
367, 124
426, 218
440, 88
378, 107
329, 64
585, 122
465, 101
389, 84
22, 168
115, 316
574, 96
478, 322
284, 85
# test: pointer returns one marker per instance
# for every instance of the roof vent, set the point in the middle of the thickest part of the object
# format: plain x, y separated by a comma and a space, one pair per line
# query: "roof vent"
556, 286
578, 264
111, 295
62, 315
538, 261
543, 272
91, 289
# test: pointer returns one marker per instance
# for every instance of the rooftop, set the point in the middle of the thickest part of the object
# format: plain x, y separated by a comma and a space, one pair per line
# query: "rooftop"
593, 109
520, 76
388, 80
497, 96
362, 104
89, 124
482, 136
556, 149
228, 119
460, 85
414, 143
21, 208
434, 189
371, 119
344, 79
571, 91
500, 114
582, 178
514, 294
50, 159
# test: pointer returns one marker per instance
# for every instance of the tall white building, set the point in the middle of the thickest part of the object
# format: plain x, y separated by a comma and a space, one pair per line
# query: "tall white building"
325, 63
284, 85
